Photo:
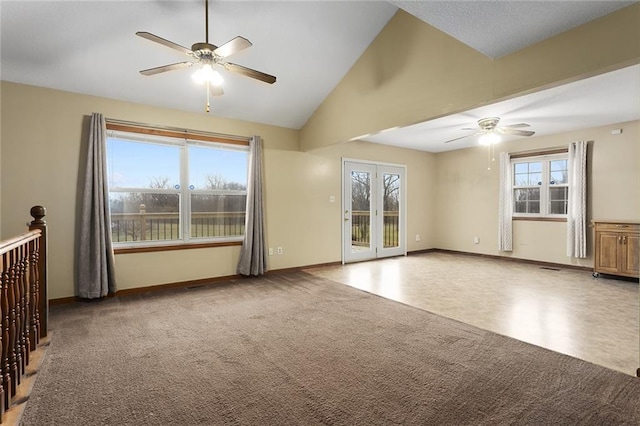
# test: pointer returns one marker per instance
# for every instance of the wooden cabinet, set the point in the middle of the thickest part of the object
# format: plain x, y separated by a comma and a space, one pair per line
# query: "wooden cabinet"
617, 248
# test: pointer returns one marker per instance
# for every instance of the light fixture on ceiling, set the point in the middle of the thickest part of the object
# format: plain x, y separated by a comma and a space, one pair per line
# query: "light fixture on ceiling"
489, 138
206, 74
205, 56
490, 132
211, 78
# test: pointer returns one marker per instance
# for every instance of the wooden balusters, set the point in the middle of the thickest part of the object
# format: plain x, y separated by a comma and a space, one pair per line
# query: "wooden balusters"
23, 303
13, 360
4, 335
34, 278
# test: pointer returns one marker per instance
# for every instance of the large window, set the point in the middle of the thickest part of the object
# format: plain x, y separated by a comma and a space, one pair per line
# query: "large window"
168, 190
540, 186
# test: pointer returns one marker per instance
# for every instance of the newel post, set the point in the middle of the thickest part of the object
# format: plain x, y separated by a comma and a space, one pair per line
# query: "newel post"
38, 212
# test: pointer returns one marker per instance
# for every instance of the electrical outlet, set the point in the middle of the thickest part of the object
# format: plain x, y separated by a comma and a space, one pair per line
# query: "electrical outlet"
417, 237
476, 240
279, 250
270, 251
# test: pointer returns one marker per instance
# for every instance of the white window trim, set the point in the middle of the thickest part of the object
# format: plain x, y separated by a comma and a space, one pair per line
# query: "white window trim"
184, 192
544, 187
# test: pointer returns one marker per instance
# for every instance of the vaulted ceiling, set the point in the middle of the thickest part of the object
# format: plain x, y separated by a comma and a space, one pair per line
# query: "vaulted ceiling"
90, 47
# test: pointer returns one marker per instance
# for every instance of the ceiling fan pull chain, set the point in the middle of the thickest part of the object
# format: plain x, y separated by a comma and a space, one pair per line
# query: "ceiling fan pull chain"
207, 96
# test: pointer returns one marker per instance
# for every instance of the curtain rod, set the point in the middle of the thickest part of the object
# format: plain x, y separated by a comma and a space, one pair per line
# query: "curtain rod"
176, 129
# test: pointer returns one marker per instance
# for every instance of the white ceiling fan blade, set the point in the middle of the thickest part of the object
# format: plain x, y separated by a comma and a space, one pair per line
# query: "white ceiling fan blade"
165, 68
515, 132
164, 42
250, 72
462, 137
232, 46
515, 126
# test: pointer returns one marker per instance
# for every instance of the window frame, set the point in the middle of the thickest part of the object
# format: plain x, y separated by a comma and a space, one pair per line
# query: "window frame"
545, 187
182, 139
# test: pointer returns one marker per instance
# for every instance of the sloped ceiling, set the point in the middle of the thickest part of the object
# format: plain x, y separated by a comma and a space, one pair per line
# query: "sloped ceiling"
90, 47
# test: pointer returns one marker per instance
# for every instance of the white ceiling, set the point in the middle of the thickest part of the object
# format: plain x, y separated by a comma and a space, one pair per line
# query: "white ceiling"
597, 101
90, 47
497, 28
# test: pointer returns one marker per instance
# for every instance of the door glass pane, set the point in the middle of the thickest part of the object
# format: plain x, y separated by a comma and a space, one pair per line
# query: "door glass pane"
391, 210
360, 211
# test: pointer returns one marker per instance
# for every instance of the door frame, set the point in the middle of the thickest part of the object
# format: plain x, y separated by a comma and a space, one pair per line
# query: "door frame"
345, 203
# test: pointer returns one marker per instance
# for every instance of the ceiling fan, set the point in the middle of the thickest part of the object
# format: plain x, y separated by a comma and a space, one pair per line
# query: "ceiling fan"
490, 131
207, 56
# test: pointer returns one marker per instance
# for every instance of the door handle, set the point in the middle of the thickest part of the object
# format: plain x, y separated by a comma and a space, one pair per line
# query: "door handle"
624, 239
346, 215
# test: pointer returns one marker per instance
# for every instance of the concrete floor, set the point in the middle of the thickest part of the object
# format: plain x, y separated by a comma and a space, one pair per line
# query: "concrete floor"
564, 310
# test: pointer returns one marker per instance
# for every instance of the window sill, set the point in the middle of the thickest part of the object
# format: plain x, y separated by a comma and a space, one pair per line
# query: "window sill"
540, 219
169, 247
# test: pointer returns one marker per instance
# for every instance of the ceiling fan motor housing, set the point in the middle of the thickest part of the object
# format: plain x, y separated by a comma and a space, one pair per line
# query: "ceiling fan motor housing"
203, 50
488, 123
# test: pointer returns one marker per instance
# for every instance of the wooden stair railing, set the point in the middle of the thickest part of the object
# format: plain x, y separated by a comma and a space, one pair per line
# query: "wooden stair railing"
24, 305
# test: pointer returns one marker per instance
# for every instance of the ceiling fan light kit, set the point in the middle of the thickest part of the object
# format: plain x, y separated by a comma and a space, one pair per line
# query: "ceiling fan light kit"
206, 56
489, 138
206, 74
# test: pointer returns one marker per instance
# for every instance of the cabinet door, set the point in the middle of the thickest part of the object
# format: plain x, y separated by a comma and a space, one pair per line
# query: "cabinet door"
631, 252
608, 255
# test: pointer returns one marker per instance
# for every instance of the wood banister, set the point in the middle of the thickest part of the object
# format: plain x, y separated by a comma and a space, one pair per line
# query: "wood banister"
23, 303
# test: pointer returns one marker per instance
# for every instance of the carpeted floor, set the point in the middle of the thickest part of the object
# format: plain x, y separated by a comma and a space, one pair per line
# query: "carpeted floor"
292, 348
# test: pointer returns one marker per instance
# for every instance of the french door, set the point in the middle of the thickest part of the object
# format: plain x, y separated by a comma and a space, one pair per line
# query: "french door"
373, 204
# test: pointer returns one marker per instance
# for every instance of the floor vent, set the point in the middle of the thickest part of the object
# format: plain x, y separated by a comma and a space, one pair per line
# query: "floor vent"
548, 268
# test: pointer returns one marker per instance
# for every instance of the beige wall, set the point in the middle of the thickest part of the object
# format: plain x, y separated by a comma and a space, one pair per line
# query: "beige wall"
412, 73
467, 194
42, 135
40, 165
0, 161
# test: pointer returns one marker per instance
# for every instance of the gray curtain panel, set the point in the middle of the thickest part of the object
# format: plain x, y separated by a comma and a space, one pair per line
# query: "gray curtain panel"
96, 270
253, 255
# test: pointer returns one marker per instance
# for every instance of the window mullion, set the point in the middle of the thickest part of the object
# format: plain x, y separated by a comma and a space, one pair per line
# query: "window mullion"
185, 204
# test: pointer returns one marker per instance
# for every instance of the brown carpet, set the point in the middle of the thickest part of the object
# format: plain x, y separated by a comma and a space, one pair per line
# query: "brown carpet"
294, 349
